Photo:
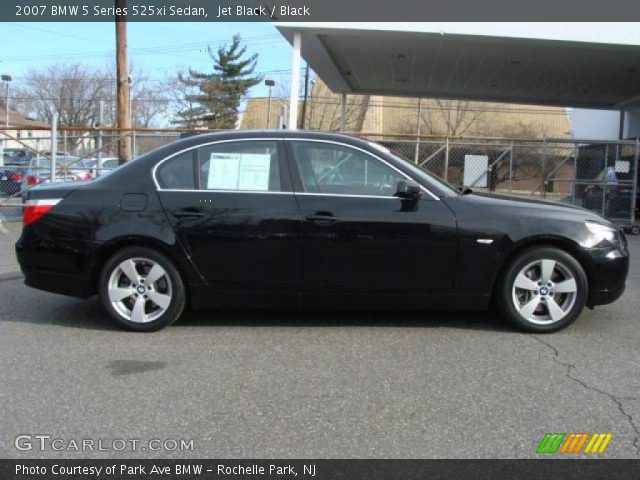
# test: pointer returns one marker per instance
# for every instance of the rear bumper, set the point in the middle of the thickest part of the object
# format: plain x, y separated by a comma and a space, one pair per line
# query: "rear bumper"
58, 267
55, 282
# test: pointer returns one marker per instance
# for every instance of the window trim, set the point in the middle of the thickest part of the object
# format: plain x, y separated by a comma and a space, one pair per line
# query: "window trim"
194, 147
287, 150
366, 152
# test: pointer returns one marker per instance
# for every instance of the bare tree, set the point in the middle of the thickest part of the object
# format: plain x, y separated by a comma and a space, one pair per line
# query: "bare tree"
526, 161
182, 102
458, 115
149, 100
324, 109
446, 118
70, 90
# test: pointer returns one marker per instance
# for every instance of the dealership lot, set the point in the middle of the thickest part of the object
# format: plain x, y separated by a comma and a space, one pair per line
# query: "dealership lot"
312, 384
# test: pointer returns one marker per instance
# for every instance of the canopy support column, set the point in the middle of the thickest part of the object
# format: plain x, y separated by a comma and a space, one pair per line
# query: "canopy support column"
295, 83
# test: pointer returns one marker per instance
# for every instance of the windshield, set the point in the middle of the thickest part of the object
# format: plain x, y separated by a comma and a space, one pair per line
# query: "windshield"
429, 179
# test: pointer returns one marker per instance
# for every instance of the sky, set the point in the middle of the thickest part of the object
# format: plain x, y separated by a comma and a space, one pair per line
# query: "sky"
158, 49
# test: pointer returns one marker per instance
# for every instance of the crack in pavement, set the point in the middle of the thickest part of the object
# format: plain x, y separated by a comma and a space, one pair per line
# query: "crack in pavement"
613, 398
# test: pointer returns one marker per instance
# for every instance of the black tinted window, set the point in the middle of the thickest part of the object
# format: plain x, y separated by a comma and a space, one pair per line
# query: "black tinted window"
337, 169
177, 172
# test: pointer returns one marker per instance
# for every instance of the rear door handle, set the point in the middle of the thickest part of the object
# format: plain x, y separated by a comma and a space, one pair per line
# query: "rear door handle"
188, 214
322, 218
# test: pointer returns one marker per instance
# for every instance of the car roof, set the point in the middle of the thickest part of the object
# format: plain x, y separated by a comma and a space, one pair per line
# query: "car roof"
205, 137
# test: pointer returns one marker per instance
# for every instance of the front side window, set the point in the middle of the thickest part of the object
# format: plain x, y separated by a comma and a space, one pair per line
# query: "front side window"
240, 166
337, 169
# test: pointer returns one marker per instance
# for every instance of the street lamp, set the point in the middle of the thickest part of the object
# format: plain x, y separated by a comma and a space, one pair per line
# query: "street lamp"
6, 79
269, 83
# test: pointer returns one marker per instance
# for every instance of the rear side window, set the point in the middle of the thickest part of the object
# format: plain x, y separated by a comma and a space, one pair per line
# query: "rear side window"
177, 172
240, 166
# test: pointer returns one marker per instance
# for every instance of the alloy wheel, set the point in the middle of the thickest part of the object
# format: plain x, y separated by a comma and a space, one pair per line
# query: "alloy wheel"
140, 290
544, 291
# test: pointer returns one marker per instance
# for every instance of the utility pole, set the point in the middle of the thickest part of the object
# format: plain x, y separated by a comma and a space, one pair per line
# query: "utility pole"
306, 95
123, 105
6, 79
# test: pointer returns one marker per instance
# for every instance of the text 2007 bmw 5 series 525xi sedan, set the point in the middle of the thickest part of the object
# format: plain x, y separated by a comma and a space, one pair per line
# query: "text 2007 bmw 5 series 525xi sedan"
299, 219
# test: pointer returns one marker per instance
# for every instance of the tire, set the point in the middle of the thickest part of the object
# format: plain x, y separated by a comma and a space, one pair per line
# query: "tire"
141, 289
635, 230
525, 291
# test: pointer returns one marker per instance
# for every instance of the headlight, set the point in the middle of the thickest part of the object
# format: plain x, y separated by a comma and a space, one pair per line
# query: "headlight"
601, 233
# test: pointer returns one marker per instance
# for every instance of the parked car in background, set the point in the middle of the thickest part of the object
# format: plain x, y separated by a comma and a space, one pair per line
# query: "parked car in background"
11, 176
15, 162
611, 195
69, 168
16, 156
294, 218
108, 164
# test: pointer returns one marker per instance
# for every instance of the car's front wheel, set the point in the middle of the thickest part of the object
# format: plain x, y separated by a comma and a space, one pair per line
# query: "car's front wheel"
141, 289
543, 289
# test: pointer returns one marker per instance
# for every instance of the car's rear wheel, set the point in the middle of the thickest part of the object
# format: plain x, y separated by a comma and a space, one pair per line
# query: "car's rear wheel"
543, 289
141, 289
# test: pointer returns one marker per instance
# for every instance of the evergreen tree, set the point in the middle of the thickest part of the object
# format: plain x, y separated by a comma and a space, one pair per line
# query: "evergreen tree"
215, 102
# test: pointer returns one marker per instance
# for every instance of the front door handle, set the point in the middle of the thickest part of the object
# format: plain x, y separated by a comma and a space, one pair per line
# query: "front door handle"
322, 218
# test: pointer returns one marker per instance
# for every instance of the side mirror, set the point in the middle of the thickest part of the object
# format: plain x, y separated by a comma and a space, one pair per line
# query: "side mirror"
408, 190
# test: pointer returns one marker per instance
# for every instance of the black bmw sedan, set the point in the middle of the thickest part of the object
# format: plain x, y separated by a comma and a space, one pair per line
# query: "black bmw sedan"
298, 219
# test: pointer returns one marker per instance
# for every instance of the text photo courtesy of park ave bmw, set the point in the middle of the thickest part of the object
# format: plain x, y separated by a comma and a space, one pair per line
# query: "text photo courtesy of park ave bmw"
319, 239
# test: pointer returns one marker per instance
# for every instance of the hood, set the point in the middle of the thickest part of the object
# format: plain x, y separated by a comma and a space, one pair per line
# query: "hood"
530, 207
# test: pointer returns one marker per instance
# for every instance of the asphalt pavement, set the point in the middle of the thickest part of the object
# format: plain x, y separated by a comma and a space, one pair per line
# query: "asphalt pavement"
298, 384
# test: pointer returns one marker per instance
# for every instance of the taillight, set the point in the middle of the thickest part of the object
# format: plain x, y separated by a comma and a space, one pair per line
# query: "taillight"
32, 180
83, 176
16, 177
35, 209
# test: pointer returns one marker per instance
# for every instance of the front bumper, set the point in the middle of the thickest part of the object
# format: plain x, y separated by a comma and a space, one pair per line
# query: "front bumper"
607, 271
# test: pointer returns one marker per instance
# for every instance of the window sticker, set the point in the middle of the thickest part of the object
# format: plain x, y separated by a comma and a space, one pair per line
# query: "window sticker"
239, 171
254, 171
223, 171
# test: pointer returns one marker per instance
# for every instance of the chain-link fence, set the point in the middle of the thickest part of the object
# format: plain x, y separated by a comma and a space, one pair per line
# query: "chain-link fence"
600, 176
27, 160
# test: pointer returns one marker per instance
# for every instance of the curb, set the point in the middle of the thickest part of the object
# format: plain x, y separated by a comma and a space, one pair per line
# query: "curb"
4, 277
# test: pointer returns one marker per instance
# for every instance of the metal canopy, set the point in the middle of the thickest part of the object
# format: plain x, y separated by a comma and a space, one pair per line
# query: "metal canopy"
472, 67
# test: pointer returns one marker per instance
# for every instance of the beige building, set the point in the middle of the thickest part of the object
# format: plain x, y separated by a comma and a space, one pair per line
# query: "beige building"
378, 115
27, 130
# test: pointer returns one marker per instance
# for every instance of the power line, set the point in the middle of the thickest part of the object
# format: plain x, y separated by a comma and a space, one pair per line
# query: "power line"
171, 49
332, 101
163, 79
69, 35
